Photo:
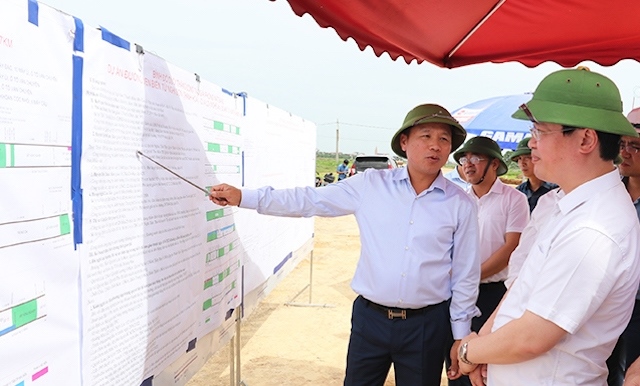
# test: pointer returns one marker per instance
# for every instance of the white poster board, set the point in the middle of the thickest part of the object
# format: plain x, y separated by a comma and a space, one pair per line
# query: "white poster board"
39, 316
115, 271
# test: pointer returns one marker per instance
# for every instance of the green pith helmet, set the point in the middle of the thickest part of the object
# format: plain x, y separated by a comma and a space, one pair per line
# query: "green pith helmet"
578, 98
522, 149
484, 146
429, 113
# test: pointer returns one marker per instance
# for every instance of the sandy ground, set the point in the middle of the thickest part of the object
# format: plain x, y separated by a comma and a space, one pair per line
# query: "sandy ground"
300, 345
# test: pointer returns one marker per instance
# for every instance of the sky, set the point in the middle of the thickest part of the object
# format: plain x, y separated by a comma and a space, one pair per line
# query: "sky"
262, 48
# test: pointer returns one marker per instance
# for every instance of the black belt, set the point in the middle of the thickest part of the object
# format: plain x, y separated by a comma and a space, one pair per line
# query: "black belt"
393, 312
493, 284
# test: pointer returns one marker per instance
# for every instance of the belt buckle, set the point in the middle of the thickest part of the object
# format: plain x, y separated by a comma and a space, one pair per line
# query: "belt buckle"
400, 314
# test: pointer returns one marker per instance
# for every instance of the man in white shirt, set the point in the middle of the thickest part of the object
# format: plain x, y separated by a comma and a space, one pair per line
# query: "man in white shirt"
574, 294
627, 349
417, 277
537, 221
503, 212
533, 187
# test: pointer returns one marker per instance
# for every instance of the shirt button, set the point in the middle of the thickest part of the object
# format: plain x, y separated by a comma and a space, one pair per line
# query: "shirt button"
411, 222
406, 248
400, 301
404, 274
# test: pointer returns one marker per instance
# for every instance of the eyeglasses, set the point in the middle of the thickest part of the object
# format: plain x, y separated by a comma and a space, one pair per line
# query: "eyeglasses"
474, 159
536, 133
629, 147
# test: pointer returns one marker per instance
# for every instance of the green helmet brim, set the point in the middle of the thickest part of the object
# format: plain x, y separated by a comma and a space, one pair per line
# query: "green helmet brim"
484, 146
607, 121
429, 113
518, 153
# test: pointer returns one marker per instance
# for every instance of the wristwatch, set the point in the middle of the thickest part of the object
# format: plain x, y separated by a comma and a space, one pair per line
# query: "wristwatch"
462, 354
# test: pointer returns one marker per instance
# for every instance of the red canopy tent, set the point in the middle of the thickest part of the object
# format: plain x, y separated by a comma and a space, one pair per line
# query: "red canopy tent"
454, 33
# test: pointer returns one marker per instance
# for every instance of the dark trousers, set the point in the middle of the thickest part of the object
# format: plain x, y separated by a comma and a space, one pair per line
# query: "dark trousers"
627, 349
414, 345
489, 297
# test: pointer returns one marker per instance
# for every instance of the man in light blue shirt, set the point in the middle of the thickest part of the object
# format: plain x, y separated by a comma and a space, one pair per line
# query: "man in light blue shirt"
418, 273
342, 170
455, 176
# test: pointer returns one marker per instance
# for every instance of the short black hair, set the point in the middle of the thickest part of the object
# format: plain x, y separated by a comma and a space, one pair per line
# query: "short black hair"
609, 143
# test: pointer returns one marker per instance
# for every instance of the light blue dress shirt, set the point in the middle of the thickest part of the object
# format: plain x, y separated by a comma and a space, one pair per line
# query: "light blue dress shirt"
417, 249
454, 177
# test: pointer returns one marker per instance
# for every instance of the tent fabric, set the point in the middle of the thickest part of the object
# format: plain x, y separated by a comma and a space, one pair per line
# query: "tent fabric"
455, 33
492, 118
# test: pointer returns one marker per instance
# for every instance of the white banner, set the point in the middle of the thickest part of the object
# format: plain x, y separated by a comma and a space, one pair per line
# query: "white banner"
39, 315
159, 259
93, 131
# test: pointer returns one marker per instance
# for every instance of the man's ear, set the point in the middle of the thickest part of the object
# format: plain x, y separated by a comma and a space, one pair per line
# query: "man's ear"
403, 141
589, 141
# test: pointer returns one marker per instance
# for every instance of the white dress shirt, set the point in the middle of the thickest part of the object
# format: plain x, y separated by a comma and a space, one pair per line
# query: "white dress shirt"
501, 210
417, 249
539, 218
582, 274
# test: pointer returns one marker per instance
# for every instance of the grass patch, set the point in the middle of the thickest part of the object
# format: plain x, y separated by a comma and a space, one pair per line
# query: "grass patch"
326, 165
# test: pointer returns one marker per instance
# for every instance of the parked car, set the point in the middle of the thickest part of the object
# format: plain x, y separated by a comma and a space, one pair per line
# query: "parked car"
364, 162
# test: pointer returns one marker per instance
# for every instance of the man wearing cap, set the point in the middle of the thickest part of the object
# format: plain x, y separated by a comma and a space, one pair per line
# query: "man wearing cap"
342, 170
627, 349
574, 294
503, 213
533, 187
418, 272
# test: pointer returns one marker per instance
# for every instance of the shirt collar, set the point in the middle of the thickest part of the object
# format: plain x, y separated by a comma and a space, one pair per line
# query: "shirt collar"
455, 173
403, 174
548, 185
400, 174
496, 188
545, 184
584, 192
440, 182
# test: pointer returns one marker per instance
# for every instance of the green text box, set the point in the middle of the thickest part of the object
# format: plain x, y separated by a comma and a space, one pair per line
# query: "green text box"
65, 225
24, 313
